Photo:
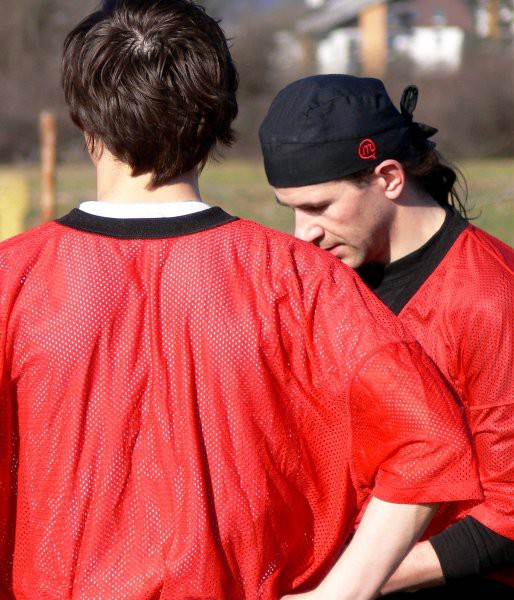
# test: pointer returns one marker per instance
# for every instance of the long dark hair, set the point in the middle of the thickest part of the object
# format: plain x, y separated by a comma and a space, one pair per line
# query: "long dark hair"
440, 179
430, 172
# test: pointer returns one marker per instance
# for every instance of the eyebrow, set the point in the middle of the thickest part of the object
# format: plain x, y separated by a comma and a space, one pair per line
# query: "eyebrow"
310, 206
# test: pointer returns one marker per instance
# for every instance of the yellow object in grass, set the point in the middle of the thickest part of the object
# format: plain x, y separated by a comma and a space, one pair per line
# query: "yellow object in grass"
14, 204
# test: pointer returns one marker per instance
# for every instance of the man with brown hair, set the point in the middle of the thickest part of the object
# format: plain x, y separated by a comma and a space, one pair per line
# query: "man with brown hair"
188, 408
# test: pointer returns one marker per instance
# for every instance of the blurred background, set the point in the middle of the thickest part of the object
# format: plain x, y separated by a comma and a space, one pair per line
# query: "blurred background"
460, 53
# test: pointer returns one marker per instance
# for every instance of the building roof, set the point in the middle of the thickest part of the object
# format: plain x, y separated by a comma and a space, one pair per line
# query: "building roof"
425, 13
428, 13
335, 12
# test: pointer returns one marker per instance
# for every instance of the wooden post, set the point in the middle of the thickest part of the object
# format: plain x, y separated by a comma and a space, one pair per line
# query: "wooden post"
48, 137
373, 27
308, 60
494, 19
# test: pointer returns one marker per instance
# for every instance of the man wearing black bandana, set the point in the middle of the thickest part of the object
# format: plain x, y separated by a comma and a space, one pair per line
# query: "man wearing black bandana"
366, 184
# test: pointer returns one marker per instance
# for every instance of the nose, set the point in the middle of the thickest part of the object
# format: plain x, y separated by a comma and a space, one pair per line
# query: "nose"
306, 228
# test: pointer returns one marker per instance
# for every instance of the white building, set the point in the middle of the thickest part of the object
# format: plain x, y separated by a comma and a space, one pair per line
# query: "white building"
430, 33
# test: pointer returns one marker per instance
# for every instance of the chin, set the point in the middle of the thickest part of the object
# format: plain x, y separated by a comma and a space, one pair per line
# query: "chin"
352, 261
344, 253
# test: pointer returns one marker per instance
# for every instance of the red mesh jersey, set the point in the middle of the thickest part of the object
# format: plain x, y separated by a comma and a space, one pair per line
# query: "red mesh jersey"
201, 415
463, 315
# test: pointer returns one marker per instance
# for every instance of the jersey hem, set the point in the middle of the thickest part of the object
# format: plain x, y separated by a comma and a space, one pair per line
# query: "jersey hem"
428, 494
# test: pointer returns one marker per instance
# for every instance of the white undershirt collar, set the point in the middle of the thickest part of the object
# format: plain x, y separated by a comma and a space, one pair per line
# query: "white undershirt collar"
154, 210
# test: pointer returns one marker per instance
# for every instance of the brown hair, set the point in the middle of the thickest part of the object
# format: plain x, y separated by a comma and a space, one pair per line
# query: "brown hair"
154, 81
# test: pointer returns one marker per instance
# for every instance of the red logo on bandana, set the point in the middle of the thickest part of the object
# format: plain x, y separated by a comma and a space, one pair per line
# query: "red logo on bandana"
367, 149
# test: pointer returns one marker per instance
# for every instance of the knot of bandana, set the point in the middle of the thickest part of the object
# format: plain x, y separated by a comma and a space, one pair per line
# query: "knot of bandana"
419, 131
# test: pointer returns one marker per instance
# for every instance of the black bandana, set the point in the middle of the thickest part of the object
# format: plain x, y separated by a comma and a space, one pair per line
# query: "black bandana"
327, 127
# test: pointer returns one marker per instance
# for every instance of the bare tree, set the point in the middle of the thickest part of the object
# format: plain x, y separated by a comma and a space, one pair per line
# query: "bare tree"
31, 36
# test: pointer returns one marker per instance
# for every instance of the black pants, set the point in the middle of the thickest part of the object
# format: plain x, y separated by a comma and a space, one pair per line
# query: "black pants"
474, 587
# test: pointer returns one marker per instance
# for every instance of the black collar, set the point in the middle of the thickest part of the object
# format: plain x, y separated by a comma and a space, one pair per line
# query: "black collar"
162, 227
396, 283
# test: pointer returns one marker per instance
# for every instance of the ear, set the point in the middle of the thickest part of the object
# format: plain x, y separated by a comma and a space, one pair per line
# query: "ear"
94, 147
391, 177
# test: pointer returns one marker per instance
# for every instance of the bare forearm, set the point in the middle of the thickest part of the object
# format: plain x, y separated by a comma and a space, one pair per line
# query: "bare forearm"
419, 569
386, 533
464, 549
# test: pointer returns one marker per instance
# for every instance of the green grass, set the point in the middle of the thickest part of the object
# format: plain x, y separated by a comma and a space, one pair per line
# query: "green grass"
240, 187
491, 196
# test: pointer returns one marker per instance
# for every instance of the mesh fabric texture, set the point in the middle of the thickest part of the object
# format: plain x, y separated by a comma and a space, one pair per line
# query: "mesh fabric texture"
202, 416
463, 316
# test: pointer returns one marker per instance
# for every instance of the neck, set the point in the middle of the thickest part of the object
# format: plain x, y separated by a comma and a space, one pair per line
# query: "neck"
418, 218
116, 184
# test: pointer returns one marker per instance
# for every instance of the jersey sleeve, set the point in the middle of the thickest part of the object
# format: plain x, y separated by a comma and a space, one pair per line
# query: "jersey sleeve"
410, 440
485, 375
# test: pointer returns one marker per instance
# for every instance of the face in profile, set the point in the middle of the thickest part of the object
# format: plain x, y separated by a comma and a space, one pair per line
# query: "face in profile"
351, 221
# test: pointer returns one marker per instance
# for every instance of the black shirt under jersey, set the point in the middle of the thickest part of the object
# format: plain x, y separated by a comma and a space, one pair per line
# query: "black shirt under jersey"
396, 283
467, 547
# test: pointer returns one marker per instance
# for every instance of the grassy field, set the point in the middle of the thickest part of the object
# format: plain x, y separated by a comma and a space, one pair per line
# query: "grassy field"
240, 187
